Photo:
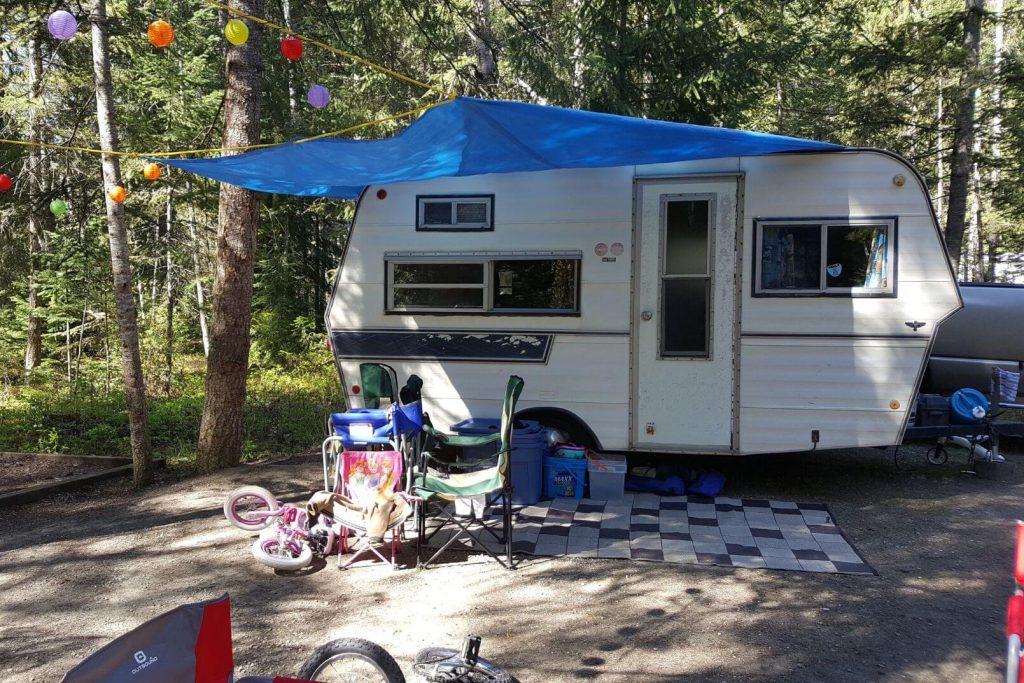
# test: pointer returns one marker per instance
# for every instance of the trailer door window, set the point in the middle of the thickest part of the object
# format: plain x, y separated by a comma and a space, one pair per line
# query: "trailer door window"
831, 258
686, 278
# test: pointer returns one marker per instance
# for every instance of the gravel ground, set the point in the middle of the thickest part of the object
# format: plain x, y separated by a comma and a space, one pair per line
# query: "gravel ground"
78, 571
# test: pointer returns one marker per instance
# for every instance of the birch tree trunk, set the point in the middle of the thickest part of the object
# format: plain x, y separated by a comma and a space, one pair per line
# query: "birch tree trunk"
198, 273
996, 129
220, 433
169, 281
293, 100
483, 42
131, 362
963, 134
34, 335
940, 167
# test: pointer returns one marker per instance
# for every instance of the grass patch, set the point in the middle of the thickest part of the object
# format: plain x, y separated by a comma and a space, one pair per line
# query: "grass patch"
285, 412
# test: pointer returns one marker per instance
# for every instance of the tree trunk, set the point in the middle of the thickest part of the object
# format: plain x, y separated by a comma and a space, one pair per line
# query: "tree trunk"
963, 134
131, 362
940, 169
37, 198
293, 99
996, 130
220, 434
169, 280
197, 272
483, 43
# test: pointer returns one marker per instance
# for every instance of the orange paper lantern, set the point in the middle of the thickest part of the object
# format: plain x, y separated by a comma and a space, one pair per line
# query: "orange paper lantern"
117, 193
160, 33
151, 171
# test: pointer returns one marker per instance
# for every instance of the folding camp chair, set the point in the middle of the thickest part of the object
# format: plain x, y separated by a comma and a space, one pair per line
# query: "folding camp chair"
1005, 386
372, 480
189, 644
441, 485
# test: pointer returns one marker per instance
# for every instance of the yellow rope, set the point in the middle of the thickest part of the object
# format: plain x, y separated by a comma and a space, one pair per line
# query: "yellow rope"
210, 150
329, 48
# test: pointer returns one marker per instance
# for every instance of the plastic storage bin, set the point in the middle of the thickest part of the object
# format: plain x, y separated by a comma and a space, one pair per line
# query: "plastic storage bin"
564, 477
529, 444
932, 411
607, 483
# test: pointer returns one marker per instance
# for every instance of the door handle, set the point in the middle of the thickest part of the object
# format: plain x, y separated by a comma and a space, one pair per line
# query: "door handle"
646, 315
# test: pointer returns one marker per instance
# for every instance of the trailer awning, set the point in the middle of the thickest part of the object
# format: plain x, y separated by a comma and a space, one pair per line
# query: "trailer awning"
469, 136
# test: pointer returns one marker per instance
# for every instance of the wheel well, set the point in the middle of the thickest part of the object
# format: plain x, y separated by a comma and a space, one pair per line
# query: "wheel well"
559, 418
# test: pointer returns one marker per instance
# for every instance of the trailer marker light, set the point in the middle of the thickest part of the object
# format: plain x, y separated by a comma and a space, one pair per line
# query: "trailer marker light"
356, 389
382, 193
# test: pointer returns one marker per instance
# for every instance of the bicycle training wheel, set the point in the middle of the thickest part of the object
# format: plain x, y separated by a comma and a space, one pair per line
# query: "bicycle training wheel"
243, 502
351, 660
443, 664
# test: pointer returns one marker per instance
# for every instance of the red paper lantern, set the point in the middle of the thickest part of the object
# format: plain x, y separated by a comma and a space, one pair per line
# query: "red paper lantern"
291, 48
160, 33
5, 182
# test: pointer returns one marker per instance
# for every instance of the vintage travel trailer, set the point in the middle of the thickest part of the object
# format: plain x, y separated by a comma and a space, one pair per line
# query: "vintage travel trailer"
660, 287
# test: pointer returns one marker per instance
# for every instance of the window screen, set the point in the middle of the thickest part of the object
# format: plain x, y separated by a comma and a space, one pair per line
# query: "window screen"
536, 285
686, 278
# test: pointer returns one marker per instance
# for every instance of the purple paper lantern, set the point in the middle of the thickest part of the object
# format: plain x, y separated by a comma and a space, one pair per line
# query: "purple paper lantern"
62, 25
318, 97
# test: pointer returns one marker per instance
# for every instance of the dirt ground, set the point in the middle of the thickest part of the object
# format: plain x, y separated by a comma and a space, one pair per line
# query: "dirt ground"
77, 571
18, 470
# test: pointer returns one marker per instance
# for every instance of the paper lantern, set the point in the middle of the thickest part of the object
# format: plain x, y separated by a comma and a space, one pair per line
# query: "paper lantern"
291, 48
62, 25
58, 207
236, 32
5, 182
151, 171
117, 193
318, 97
160, 33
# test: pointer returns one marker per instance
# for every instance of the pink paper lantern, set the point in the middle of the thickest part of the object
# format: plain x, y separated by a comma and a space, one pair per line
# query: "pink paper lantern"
318, 96
62, 25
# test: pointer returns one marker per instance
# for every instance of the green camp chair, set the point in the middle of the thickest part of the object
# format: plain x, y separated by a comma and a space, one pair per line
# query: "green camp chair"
379, 381
440, 486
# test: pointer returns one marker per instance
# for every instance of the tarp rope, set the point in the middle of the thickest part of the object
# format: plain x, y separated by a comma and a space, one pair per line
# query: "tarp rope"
448, 97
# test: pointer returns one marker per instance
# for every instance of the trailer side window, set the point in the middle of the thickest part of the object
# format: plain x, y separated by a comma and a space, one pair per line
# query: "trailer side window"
436, 286
832, 258
545, 284
460, 214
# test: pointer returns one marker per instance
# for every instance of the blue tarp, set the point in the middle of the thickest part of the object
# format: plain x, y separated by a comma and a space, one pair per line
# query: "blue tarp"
472, 137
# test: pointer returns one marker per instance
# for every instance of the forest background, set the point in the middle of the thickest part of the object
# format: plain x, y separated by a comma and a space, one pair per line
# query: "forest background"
938, 81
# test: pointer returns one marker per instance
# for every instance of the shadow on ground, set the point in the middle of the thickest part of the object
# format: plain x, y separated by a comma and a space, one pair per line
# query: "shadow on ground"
77, 572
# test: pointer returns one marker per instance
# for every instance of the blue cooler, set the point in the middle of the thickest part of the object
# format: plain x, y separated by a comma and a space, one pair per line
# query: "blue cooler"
341, 425
529, 444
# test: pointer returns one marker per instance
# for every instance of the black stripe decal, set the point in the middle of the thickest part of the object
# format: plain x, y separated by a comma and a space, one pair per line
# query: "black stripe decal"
418, 345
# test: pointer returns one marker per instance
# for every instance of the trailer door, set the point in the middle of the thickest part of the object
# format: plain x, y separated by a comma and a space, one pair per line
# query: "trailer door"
684, 313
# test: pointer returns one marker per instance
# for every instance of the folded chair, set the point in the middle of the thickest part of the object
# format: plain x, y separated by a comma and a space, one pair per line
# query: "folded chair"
373, 481
440, 485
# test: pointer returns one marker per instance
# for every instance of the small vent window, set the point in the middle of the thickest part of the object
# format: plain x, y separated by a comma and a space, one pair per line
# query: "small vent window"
455, 213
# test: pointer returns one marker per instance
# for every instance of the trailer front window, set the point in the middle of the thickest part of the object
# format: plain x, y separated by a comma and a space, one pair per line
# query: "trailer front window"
848, 257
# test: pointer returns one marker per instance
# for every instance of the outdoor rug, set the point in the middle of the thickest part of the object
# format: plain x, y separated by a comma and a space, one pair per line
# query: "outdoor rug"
728, 532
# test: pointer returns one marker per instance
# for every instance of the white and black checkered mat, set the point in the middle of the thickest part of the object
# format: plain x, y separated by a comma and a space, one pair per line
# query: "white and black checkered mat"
727, 532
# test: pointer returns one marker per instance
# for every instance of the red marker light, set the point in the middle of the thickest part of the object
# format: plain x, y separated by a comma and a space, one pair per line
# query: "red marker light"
356, 389
382, 193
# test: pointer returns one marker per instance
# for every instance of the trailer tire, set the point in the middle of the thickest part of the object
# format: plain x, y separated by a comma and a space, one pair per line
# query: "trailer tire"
937, 455
573, 427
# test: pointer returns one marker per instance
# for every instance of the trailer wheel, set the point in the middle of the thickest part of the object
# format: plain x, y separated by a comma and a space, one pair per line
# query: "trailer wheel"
937, 455
566, 422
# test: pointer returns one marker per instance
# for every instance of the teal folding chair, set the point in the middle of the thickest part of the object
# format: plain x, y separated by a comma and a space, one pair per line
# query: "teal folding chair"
441, 484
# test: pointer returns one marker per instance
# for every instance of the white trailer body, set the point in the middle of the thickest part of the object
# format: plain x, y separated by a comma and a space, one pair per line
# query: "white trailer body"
713, 306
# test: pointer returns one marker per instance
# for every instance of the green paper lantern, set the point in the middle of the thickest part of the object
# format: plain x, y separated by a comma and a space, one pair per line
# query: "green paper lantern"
58, 207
